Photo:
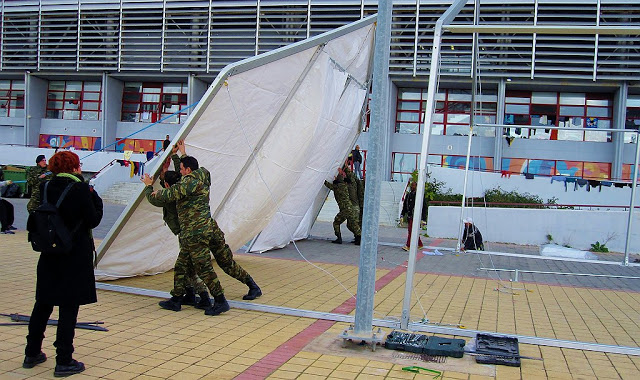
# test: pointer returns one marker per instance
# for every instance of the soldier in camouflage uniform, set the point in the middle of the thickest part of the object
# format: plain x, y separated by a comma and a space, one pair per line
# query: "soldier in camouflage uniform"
353, 184
347, 211
185, 286
36, 175
199, 233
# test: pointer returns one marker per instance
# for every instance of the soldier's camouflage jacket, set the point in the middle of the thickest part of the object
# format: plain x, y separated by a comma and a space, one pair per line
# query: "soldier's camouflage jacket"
341, 192
34, 180
352, 185
191, 195
169, 210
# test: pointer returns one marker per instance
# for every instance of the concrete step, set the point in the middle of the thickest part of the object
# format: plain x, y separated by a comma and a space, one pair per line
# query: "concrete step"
122, 192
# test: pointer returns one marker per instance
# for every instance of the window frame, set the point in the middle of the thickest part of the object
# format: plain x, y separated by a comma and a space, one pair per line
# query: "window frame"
81, 100
156, 108
13, 94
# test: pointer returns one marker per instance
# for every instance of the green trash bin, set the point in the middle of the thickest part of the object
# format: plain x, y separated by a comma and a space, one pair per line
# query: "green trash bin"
17, 175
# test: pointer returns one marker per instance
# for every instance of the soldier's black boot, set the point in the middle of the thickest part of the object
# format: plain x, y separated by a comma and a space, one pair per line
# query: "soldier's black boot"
220, 305
174, 303
254, 290
356, 241
189, 297
338, 240
205, 301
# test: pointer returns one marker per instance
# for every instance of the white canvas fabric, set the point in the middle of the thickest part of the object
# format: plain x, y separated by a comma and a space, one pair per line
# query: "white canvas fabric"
270, 133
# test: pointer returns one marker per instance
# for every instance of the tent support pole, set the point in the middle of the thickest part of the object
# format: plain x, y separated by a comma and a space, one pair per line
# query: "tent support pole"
377, 134
634, 183
446, 17
472, 118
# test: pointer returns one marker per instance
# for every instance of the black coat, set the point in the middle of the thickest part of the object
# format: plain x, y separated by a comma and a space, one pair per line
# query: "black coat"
409, 205
69, 279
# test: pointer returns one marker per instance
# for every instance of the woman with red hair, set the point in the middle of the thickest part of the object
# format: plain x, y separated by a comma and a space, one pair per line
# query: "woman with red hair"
65, 280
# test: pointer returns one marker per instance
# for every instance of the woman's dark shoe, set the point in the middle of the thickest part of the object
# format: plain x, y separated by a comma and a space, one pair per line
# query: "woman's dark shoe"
32, 361
72, 368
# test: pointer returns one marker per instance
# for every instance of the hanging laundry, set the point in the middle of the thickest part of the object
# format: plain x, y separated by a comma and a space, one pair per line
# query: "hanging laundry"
619, 185
136, 168
582, 183
131, 171
606, 183
528, 175
570, 180
594, 183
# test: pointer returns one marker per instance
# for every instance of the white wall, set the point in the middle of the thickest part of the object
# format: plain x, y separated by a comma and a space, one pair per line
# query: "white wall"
576, 228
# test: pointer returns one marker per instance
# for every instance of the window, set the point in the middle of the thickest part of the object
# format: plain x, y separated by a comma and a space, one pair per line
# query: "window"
452, 113
12, 98
154, 102
74, 100
579, 113
403, 164
633, 118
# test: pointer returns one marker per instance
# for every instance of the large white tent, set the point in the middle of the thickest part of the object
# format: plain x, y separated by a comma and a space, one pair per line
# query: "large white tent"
270, 129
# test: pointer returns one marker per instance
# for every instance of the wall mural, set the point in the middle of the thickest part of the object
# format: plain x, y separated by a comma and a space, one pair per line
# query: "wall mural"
475, 163
62, 141
590, 170
139, 146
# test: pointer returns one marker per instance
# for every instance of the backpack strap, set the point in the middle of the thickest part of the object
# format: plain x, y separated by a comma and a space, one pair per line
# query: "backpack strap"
62, 196
44, 200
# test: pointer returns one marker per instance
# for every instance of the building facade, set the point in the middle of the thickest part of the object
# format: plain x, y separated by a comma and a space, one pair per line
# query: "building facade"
121, 75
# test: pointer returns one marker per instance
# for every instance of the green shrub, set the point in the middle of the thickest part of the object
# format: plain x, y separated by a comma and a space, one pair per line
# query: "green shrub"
597, 247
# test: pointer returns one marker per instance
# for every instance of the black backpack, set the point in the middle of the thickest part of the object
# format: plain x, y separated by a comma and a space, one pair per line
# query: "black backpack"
46, 229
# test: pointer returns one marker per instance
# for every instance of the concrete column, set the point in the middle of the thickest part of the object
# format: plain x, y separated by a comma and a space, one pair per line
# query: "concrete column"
196, 89
619, 117
35, 93
112, 90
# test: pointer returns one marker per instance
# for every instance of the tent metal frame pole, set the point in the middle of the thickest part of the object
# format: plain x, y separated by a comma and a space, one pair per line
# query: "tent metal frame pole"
517, 271
387, 323
472, 119
543, 29
377, 136
446, 17
634, 183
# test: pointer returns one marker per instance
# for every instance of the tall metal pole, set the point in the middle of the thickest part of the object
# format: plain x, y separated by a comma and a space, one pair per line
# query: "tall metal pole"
472, 118
377, 135
446, 17
634, 183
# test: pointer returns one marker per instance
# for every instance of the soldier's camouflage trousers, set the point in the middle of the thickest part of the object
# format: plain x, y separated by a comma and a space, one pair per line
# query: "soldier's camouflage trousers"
199, 247
184, 275
224, 257
351, 215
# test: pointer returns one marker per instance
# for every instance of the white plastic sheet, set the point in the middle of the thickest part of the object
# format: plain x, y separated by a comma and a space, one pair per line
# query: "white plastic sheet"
270, 133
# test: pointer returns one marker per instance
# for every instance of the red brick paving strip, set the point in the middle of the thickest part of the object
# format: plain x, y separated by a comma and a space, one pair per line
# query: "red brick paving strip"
276, 358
